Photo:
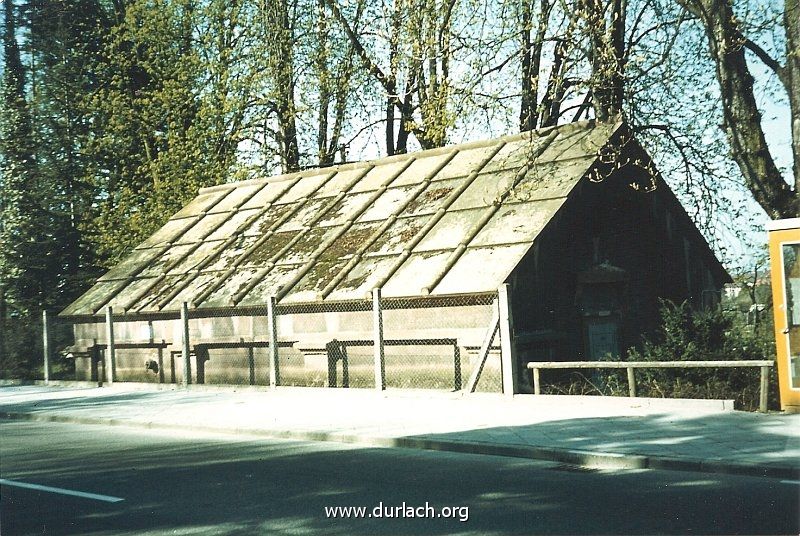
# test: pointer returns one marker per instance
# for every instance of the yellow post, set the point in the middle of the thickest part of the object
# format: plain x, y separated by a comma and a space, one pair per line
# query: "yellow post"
784, 253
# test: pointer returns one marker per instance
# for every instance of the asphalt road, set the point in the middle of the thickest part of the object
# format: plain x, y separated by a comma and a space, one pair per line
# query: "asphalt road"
215, 484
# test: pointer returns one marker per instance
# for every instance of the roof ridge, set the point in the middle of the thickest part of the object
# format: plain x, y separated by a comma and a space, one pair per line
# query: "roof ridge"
474, 144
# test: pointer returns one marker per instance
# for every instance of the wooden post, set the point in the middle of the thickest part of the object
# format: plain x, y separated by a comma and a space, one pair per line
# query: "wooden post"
486, 347
631, 382
377, 326
764, 391
457, 379
508, 359
110, 350
46, 346
272, 329
185, 348
537, 384
2, 321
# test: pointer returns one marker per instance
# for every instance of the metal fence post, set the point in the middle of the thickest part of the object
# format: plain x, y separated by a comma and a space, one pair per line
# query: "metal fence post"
185, 349
377, 324
46, 346
110, 349
508, 359
272, 328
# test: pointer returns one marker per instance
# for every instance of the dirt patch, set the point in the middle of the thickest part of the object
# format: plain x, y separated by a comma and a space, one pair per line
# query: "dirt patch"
263, 253
428, 198
269, 218
321, 274
350, 243
409, 233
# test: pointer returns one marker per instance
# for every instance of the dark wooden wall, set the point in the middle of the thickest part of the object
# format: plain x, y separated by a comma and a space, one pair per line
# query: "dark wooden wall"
645, 233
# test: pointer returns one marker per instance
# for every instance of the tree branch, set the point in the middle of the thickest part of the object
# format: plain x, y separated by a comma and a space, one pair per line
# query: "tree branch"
767, 60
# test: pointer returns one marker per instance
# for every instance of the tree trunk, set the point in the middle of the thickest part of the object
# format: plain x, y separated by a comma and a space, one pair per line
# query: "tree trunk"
2, 323
281, 34
741, 117
791, 18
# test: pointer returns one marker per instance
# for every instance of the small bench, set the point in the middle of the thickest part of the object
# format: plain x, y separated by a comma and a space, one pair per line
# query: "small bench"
96, 351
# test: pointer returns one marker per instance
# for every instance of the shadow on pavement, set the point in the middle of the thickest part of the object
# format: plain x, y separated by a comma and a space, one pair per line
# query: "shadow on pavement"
198, 485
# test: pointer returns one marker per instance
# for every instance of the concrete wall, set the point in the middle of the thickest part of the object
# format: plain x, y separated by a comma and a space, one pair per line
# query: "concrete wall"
305, 362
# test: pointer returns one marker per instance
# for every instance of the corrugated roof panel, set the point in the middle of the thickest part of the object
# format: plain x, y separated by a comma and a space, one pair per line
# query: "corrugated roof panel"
421, 168
578, 143
270, 285
165, 285
378, 176
465, 162
129, 292
549, 180
518, 222
169, 232
387, 203
520, 209
434, 195
347, 208
202, 202
308, 243
451, 230
351, 241
362, 278
267, 250
515, 154
307, 212
269, 218
397, 236
233, 224
416, 273
202, 253
481, 269
94, 298
236, 198
203, 228
271, 191
485, 190
305, 187
320, 275
567, 137
232, 253
163, 261
198, 284
132, 264
341, 181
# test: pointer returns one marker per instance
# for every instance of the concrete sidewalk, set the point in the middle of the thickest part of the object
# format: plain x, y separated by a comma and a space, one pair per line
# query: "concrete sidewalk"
590, 431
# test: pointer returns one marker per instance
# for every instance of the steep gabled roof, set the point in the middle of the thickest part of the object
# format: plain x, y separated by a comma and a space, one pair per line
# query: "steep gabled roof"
454, 220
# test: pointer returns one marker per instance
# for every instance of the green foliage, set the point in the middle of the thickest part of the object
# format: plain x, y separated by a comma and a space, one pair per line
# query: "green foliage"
689, 335
157, 136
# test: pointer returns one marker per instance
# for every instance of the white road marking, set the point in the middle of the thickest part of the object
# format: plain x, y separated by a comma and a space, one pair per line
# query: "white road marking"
795, 482
61, 491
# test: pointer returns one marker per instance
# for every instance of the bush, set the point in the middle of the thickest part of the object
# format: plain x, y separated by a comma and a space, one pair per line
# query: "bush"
689, 335
21, 356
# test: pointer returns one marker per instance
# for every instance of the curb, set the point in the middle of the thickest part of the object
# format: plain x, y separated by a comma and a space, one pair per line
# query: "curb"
581, 458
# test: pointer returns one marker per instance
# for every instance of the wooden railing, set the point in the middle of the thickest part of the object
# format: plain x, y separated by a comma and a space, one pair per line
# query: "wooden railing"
765, 365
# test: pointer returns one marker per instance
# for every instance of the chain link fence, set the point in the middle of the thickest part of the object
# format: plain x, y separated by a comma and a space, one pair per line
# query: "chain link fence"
405, 343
